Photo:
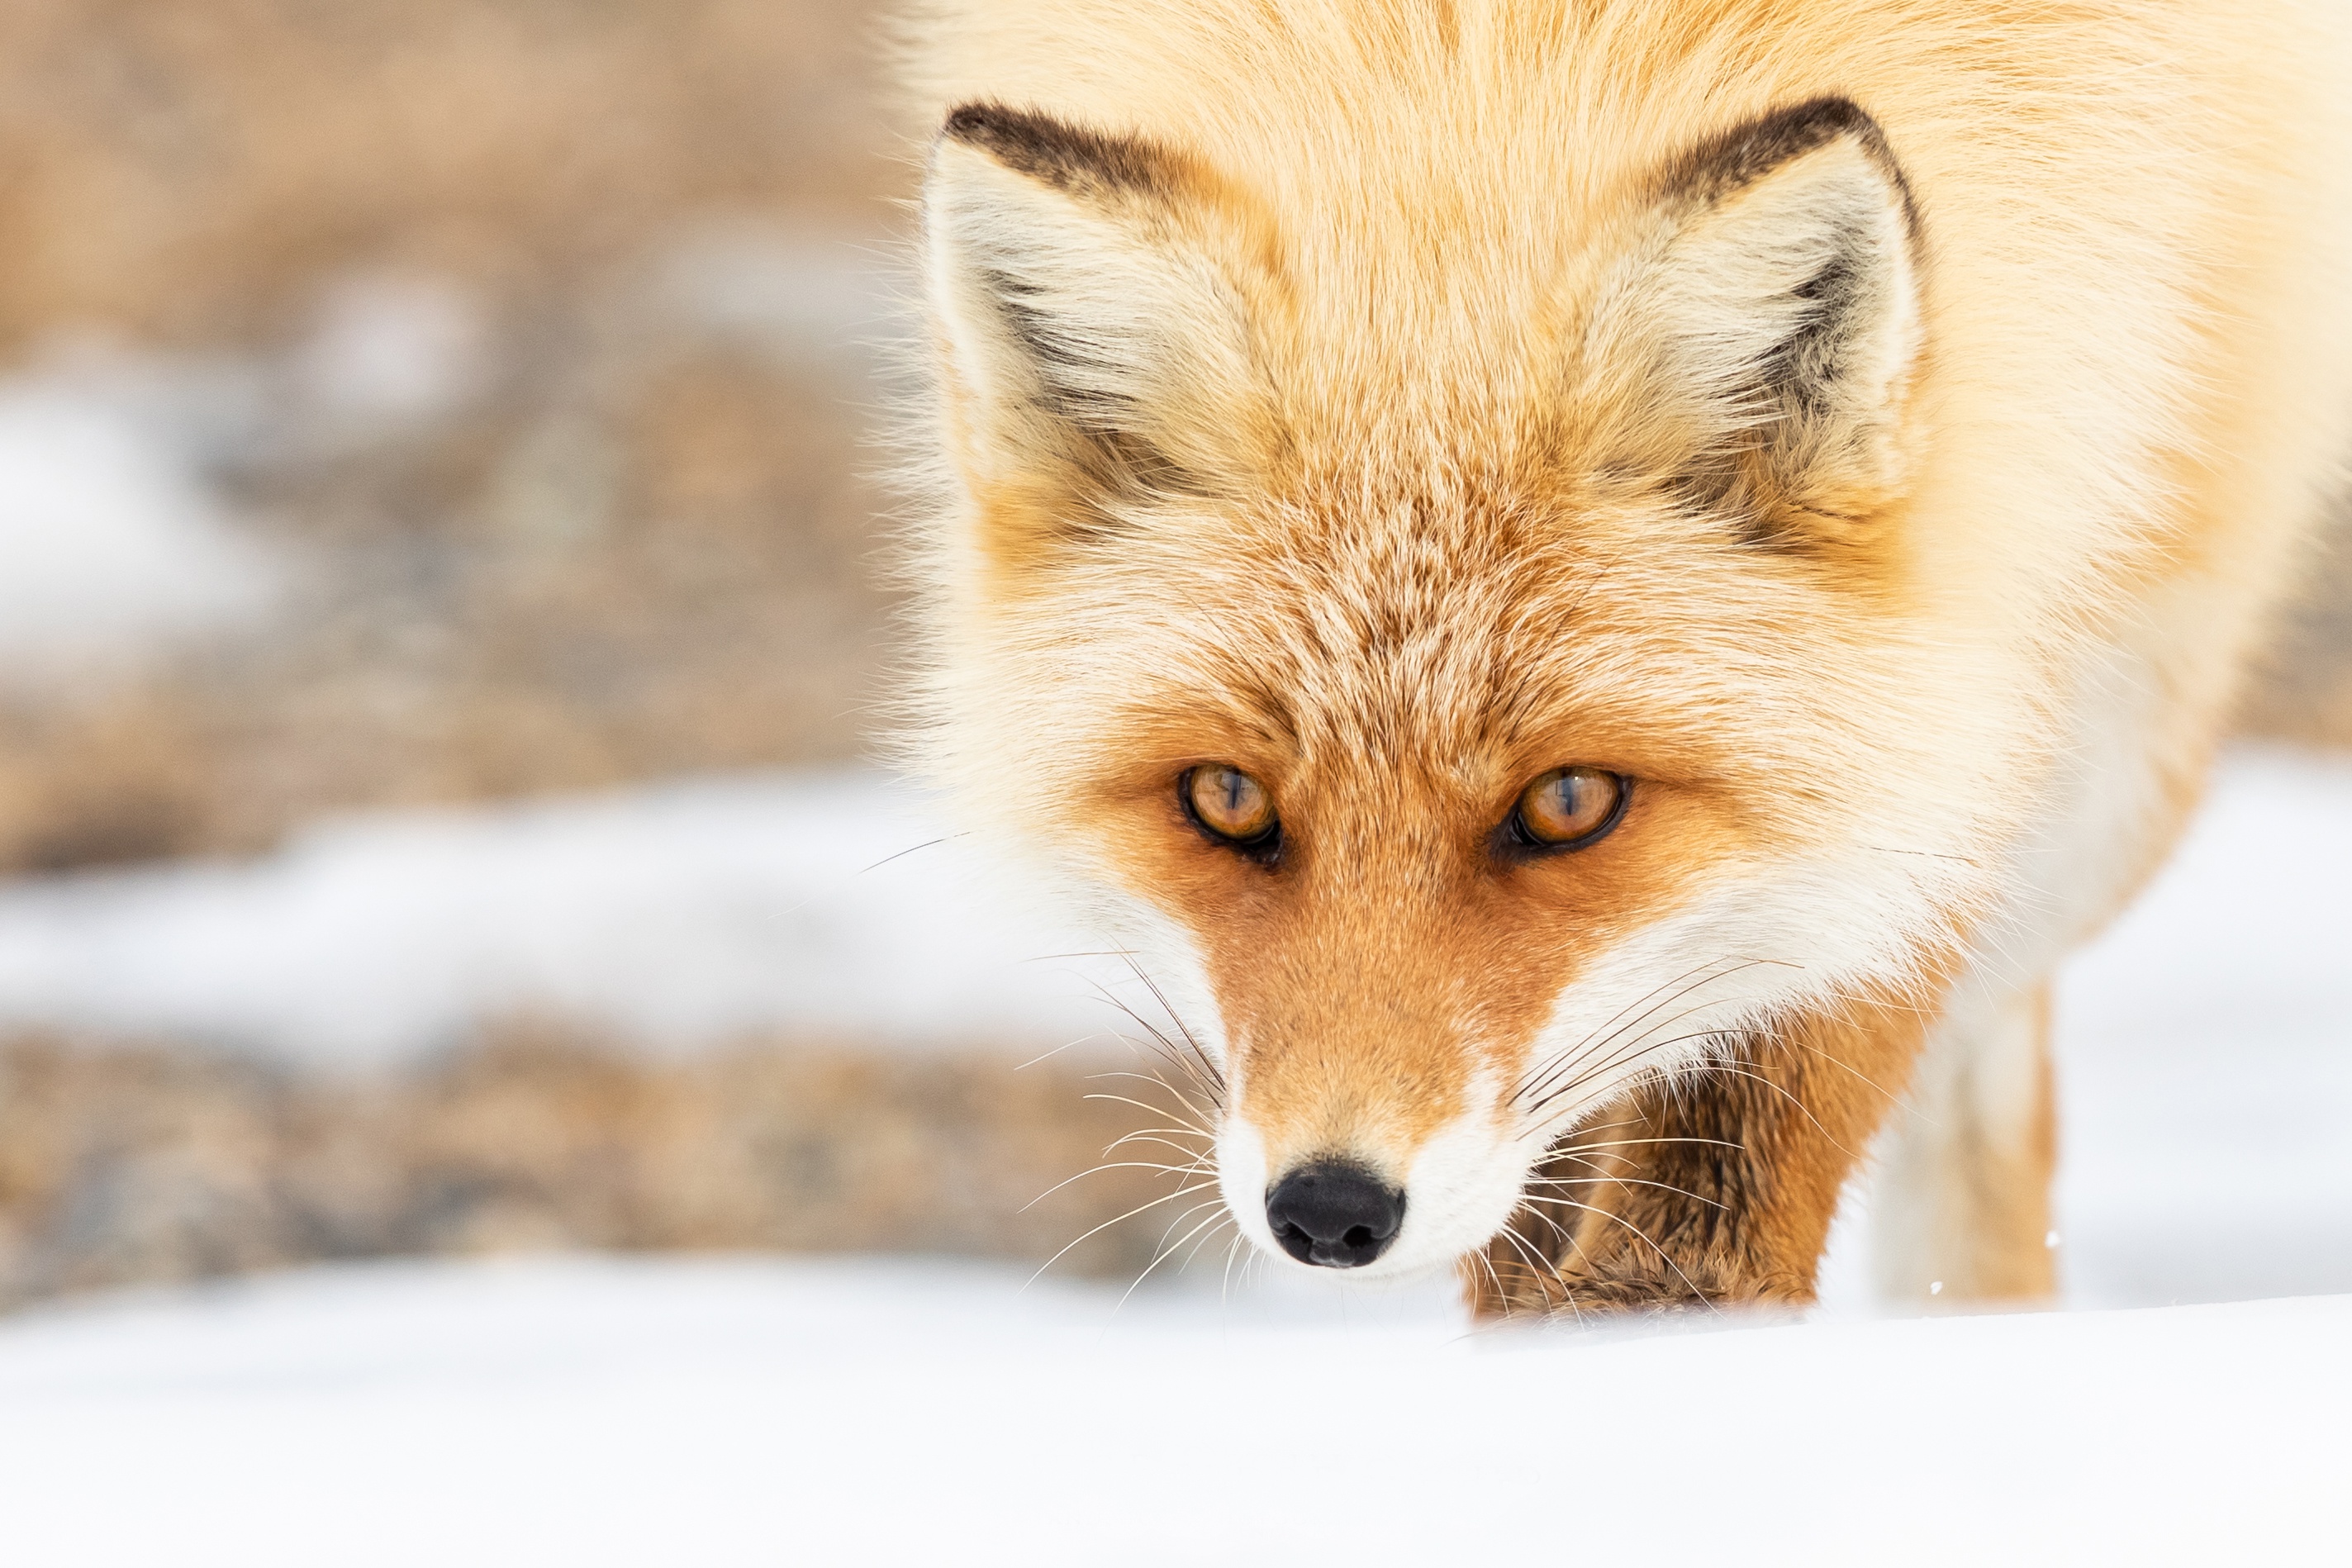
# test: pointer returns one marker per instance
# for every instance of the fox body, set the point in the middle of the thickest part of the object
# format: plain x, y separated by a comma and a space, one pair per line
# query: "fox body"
1859, 443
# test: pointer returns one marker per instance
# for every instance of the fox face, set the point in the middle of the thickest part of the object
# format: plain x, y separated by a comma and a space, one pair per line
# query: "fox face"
1462, 640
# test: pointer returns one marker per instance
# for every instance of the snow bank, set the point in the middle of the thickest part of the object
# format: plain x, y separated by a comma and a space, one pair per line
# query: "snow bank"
717, 1414
830, 904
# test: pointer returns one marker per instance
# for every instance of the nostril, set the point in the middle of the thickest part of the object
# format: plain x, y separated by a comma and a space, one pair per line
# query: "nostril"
1334, 1213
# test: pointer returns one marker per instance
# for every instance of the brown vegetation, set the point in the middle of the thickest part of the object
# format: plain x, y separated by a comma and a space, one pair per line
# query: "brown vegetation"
190, 171
126, 1164
640, 544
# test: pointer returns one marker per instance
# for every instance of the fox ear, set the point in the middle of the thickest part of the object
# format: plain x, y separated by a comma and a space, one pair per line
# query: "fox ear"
1781, 320
1096, 347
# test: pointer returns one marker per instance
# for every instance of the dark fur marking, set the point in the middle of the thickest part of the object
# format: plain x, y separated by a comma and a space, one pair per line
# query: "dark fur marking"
1069, 158
1729, 163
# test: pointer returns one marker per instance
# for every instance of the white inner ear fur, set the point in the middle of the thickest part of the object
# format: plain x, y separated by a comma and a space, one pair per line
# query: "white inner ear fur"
1068, 318
1792, 303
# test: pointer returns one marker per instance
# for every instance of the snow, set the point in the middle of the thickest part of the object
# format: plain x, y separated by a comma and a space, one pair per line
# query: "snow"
2205, 1055
112, 541
830, 904
386, 353
719, 1412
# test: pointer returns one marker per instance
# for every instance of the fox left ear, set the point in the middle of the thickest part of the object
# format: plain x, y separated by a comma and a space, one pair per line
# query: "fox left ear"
1089, 296
1777, 325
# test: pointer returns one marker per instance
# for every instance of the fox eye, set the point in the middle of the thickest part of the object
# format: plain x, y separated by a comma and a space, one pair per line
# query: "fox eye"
1230, 807
1567, 808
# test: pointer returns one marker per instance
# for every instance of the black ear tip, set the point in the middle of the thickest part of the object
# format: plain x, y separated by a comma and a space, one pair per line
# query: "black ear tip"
980, 122
1734, 159
1830, 115
1070, 158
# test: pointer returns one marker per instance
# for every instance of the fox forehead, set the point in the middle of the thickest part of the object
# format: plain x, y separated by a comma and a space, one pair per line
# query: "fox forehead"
1450, 644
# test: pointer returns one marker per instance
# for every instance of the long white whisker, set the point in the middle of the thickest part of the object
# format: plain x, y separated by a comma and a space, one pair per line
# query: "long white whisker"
1170, 1197
1094, 1170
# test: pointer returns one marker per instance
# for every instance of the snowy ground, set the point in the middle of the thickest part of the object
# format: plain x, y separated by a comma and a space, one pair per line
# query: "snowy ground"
830, 904
712, 1413
592, 1412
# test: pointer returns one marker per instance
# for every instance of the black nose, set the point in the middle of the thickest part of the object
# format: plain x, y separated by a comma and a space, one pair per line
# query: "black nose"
1334, 1215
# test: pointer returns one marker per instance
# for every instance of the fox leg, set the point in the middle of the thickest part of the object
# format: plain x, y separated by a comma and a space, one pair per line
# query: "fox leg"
1717, 1185
1962, 1208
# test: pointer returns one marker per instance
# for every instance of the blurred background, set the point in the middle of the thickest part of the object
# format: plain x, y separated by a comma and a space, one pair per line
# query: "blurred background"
445, 614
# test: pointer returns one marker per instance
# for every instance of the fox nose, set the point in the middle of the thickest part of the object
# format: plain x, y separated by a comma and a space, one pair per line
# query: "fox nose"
1334, 1215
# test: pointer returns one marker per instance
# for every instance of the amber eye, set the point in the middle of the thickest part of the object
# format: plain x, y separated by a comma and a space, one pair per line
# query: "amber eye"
1568, 809
1229, 804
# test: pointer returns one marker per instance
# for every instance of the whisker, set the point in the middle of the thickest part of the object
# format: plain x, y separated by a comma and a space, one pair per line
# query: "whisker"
1226, 1218
1537, 1267
1193, 1155
1664, 1256
1620, 1061
1618, 1056
1802, 1109
1155, 1203
927, 844
1161, 1257
1551, 1277
1155, 1110
1617, 1182
1148, 1131
1199, 1114
1225, 1283
1215, 1075
1057, 1051
1601, 1038
1502, 1297
1609, 1028
1631, 1142
1096, 1171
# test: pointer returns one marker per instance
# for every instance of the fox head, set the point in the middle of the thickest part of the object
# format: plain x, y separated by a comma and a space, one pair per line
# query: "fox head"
1464, 633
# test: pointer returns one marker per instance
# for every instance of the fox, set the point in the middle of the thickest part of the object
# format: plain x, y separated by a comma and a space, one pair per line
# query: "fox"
1598, 592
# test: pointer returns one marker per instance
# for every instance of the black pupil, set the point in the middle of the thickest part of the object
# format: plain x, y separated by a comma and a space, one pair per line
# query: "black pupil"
1234, 786
1564, 792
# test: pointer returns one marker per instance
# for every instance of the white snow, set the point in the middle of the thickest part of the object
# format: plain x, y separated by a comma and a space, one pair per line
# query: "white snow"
717, 1412
111, 541
2205, 1057
386, 353
829, 904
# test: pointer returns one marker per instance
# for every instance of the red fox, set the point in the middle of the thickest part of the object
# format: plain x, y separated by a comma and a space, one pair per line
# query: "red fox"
1603, 588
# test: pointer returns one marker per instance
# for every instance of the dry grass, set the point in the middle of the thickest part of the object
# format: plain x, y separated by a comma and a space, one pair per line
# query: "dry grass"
189, 171
639, 548
127, 1164
721, 610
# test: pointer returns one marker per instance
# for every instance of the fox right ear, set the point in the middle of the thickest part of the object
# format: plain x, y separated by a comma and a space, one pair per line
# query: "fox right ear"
1096, 346
1774, 328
